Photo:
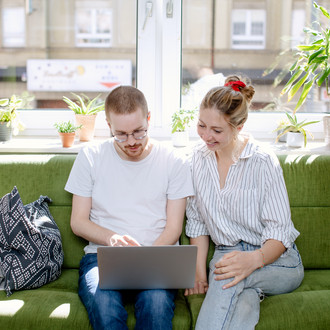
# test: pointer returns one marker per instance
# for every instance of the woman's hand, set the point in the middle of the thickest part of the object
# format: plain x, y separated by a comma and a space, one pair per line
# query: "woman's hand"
200, 287
237, 265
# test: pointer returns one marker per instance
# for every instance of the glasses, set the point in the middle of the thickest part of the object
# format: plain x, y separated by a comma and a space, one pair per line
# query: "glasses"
137, 135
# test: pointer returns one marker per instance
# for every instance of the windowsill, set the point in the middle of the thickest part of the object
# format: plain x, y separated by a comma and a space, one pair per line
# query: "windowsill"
52, 145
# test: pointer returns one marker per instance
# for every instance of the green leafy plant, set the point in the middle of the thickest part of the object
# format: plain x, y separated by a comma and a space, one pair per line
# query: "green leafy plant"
84, 105
292, 125
66, 127
182, 119
8, 112
311, 62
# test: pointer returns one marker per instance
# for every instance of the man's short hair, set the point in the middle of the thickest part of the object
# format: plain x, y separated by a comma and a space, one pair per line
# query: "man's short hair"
125, 100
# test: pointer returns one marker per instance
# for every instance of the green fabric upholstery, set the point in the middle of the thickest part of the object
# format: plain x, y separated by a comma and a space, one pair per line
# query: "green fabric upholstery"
57, 304
307, 179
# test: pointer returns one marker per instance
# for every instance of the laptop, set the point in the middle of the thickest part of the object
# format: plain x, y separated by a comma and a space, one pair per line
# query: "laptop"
147, 267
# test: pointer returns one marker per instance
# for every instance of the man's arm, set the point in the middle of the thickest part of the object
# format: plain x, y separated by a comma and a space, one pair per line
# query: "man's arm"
175, 210
83, 227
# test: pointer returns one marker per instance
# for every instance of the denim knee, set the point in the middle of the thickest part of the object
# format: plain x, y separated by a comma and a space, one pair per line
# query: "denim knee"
154, 309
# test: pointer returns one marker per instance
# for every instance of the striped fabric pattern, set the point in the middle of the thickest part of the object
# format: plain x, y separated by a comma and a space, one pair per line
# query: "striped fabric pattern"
253, 206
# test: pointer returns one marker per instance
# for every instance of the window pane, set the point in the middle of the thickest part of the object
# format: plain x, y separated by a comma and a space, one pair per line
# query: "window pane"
257, 28
239, 28
85, 46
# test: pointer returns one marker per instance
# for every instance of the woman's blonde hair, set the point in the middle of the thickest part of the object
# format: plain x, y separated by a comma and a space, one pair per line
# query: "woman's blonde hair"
232, 100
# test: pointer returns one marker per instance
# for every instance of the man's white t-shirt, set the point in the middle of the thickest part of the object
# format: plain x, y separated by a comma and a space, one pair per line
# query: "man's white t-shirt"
130, 197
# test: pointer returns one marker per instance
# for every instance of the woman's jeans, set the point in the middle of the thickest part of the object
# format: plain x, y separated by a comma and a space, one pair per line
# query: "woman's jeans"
238, 307
154, 309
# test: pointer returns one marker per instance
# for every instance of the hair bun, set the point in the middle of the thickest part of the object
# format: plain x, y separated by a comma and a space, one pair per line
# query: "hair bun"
247, 90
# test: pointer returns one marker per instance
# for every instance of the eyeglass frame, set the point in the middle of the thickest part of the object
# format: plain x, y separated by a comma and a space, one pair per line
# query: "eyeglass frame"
128, 134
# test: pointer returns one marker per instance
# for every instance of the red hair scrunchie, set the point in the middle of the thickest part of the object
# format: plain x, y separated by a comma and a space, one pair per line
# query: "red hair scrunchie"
235, 85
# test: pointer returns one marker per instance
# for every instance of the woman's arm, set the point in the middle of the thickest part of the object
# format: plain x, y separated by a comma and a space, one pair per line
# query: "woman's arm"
201, 284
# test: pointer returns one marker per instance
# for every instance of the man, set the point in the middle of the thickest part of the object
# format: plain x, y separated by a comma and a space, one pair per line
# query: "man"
128, 190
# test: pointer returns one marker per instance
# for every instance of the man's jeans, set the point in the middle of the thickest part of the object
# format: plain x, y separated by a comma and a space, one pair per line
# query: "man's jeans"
154, 309
238, 307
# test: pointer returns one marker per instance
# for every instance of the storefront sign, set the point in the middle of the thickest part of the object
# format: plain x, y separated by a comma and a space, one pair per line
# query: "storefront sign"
78, 75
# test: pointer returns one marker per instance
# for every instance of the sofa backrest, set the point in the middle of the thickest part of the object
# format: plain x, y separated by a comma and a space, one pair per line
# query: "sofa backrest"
307, 179
36, 175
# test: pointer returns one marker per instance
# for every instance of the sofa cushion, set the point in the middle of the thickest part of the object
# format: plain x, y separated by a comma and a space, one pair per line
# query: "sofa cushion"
30, 248
43, 309
55, 307
296, 310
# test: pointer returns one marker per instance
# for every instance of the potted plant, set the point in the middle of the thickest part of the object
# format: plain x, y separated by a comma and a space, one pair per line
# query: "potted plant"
181, 120
9, 120
295, 131
85, 110
312, 64
67, 131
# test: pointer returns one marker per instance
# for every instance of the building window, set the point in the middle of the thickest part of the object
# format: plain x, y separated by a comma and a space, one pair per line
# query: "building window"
297, 26
93, 27
248, 29
13, 27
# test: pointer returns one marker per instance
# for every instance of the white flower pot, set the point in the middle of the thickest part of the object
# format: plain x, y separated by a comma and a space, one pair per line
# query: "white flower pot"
6, 131
295, 139
180, 139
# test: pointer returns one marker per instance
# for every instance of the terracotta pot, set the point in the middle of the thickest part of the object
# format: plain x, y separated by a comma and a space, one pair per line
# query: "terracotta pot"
67, 139
5, 131
86, 133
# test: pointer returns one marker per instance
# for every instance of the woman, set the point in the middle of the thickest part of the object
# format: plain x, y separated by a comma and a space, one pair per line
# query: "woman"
241, 202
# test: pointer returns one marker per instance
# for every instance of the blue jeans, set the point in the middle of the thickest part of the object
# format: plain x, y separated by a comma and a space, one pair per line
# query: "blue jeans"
154, 309
238, 307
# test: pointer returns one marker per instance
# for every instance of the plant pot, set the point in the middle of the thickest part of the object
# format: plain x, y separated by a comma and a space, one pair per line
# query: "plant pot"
6, 131
295, 139
86, 133
67, 139
283, 137
326, 126
180, 139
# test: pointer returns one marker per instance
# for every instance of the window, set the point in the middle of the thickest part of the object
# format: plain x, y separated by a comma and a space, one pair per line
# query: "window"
94, 38
13, 27
93, 27
248, 29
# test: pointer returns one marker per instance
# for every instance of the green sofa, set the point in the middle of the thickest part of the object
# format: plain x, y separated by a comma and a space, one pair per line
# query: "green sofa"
57, 304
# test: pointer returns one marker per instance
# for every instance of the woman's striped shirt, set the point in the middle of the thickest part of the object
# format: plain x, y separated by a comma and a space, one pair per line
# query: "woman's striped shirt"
253, 206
